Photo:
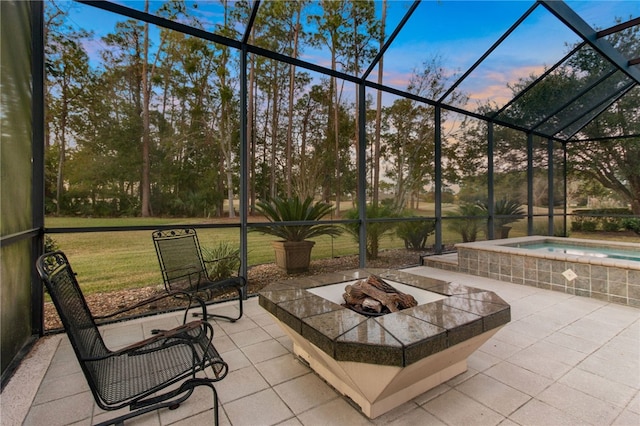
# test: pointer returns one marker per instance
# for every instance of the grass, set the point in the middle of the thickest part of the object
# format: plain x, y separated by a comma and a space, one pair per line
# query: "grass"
111, 261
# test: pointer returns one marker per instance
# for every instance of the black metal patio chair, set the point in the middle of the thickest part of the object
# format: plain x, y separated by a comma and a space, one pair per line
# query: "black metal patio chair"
183, 267
154, 373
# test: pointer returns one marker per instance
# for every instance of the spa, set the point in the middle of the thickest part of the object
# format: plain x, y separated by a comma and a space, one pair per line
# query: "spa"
604, 270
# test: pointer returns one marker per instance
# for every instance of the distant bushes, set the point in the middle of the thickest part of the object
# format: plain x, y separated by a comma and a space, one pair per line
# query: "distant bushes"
632, 224
415, 233
606, 219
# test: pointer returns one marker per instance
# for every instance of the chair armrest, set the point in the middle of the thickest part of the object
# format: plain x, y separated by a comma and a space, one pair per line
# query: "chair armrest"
191, 297
147, 344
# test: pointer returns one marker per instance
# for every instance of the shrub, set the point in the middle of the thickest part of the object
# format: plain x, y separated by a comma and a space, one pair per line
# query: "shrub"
611, 224
576, 224
222, 261
293, 210
590, 220
468, 227
375, 230
50, 244
632, 224
415, 233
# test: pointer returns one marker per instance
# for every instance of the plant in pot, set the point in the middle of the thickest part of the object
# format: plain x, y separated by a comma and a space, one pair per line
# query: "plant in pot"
293, 249
502, 209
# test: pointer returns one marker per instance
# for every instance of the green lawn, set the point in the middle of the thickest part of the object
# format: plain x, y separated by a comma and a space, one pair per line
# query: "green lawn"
109, 261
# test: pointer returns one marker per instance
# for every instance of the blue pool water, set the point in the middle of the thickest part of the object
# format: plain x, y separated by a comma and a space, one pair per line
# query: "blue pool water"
604, 252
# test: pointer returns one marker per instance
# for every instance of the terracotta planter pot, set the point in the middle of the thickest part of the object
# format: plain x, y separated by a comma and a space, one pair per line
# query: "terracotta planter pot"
293, 256
504, 231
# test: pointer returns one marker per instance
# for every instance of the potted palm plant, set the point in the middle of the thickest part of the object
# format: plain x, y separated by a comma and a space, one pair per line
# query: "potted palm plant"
505, 209
293, 248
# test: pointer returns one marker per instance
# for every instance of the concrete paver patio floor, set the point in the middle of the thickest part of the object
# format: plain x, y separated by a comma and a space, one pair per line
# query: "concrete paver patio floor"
562, 360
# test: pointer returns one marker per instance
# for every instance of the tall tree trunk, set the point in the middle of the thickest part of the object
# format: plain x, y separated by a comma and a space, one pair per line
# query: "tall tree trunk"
265, 191
400, 180
327, 179
356, 68
146, 138
292, 79
250, 138
336, 132
376, 146
226, 126
274, 131
62, 147
303, 140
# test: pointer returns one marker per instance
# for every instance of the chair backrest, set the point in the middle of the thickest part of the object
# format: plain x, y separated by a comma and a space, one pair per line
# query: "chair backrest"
180, 258
61, 283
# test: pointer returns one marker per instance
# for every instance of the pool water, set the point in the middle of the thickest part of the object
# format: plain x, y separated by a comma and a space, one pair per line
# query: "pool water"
578, 250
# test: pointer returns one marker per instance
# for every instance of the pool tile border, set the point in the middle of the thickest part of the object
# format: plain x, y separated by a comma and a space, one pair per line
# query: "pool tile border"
610, 280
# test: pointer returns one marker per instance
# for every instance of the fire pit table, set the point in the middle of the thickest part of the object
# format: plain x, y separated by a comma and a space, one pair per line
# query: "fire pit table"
380, 362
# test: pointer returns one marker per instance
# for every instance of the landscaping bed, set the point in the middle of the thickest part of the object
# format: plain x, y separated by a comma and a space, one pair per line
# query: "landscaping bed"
258, 277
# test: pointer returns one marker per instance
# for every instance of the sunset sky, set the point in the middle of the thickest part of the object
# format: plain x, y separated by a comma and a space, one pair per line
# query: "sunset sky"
455, 32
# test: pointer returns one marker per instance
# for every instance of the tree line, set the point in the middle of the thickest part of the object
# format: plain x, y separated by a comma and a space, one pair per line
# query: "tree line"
148, 122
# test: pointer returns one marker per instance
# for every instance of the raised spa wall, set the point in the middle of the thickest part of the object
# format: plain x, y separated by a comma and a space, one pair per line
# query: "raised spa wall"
611, 280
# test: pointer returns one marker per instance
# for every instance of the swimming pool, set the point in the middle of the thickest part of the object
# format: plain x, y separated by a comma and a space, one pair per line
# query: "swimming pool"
583, 250
603, 270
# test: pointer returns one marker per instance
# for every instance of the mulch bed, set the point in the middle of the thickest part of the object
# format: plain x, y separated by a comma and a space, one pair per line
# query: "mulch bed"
258, 277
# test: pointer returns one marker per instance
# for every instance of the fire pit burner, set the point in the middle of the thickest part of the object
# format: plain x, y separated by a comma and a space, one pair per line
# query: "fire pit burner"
375, 297
382, 362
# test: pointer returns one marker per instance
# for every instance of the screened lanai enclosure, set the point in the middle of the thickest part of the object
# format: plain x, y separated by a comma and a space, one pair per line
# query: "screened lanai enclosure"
422, 124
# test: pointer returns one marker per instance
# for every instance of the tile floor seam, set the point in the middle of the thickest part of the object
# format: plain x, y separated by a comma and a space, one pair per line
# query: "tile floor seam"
610, 404
626, 404
480, 402
384, 418
476, 400
252, 393
473, 399
313, 407
550, 359
593, 354
532, 372
37, 404
615, 421
633, 398
576, 420
433, 414
497, 337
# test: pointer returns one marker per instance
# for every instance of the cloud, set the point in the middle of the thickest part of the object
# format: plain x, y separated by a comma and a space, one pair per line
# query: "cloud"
491, 85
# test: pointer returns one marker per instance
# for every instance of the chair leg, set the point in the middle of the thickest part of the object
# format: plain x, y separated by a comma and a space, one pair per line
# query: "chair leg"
168, 404
215, 406
140, 411
225, 317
